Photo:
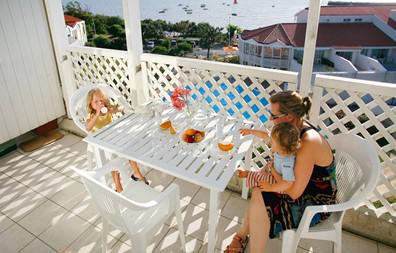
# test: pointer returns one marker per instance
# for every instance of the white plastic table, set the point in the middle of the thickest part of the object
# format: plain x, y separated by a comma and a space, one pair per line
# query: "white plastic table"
138, 137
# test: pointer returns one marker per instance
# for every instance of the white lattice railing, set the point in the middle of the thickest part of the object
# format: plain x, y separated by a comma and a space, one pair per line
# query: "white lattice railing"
340, 104
343, 105
97, 65
233, 90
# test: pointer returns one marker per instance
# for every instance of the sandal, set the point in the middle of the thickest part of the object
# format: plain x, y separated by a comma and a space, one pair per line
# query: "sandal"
140, 179
241, 249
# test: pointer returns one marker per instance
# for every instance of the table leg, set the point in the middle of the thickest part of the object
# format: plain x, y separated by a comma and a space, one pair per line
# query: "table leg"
213, 219
99, 157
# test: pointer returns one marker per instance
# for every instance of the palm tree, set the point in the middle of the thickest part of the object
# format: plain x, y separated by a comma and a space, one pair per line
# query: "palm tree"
209, 35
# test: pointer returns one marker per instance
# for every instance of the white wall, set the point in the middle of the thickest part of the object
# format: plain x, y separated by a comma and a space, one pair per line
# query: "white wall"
368, 63
295, 66
384, 27
30, 93
388, 77
342, 64
340, 19
77, 34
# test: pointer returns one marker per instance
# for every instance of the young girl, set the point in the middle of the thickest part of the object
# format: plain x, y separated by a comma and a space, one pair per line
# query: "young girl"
284, 144
100, 113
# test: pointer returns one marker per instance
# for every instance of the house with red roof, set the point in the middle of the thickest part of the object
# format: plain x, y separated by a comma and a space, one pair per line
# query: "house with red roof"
76, 31
350, 39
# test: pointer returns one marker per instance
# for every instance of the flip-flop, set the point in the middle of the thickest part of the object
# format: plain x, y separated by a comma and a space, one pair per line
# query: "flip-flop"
241, 249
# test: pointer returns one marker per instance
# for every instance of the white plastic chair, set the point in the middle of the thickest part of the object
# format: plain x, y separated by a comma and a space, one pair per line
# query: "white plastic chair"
138, 211
78, 108
357, 173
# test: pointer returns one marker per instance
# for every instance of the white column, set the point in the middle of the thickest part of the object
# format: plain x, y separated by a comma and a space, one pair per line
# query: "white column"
56, 21
133, 35
309, 46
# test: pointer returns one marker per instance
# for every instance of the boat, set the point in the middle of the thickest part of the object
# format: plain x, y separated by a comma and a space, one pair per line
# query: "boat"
234, 14
203, 5
189, 12
180, 5
205, 9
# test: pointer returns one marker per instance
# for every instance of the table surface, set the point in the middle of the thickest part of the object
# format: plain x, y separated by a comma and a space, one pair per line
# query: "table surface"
137, 136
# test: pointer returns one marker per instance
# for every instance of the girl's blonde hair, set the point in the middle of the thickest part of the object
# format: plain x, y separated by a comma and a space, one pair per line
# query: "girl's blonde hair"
287, 136
90, 96
292, 102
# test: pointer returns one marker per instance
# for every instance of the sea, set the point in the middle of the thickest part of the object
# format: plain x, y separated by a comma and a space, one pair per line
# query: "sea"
247, 14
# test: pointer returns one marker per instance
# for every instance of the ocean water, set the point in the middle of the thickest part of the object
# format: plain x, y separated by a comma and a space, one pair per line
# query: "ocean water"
250, 14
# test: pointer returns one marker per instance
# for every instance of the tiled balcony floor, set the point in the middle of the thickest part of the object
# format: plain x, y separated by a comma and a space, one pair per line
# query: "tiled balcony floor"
44, 208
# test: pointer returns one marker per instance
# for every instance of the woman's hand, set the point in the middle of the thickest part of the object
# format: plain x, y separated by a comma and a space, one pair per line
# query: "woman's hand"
264, 186
245, 131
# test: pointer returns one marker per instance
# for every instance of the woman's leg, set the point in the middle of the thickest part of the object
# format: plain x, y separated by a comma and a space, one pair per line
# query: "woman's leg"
241, 233
258, 223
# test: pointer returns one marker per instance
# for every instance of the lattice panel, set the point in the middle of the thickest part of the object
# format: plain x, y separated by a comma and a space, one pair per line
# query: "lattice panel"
373, 117
89, 67
239, 96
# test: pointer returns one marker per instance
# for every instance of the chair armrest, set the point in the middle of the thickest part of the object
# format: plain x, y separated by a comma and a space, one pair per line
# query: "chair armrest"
310, 211
173, 189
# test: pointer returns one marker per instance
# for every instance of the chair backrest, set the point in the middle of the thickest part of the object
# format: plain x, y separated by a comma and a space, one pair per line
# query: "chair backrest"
110, 204
78, 102
141, 211
357, 168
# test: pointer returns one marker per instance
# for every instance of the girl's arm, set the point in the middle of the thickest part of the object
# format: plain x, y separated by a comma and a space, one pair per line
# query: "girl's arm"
91, 121
263, 134
116, 108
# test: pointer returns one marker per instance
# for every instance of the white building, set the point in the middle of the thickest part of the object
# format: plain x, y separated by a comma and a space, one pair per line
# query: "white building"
352, 41
76, 32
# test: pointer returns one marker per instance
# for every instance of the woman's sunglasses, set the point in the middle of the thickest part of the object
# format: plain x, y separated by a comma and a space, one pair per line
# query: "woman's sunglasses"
276, 116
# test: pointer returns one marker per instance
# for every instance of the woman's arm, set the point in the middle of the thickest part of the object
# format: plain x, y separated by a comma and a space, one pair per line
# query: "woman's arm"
263, 134
280, 185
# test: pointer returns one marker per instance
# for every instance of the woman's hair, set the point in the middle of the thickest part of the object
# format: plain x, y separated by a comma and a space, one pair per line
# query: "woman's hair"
90, 96
287, 136
292, 102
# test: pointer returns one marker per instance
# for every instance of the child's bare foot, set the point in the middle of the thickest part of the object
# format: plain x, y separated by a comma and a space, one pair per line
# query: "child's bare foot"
242, 173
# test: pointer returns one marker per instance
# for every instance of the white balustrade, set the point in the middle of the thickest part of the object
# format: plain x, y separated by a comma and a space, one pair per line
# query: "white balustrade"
340, 105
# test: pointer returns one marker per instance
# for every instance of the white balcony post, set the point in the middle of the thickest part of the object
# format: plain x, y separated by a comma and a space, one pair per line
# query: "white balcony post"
309, 46
133, 35
56, 21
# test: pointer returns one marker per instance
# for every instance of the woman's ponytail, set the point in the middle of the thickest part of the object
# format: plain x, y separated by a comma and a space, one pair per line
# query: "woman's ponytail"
306, 102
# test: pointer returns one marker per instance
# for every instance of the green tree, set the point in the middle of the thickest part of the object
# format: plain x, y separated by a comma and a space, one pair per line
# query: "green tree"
117, 30
231, 31
183, 48
160, 50
118, 43
152, 29
209, 36
102, 41
165, 43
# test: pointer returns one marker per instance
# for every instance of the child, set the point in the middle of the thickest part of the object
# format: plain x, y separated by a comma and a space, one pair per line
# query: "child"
100, 113
284, 144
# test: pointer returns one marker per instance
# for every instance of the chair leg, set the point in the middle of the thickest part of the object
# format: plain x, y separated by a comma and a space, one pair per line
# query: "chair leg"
139, 243
289, 241
181, 229
337, 246
105, 230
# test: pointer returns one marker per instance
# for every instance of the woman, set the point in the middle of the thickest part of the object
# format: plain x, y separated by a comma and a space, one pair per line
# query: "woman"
270, 213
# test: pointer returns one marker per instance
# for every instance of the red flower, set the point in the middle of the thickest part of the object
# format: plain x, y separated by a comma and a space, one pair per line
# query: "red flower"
179, 97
